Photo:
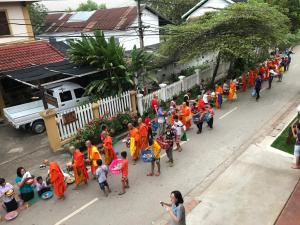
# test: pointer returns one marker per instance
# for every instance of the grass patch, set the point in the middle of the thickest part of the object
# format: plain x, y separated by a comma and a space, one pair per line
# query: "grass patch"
280, 141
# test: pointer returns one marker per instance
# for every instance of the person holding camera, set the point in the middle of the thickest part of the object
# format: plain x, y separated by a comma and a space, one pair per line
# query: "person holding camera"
296, 134
176, 209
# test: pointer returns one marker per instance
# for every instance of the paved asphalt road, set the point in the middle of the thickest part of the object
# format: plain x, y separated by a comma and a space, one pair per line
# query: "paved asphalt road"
235, 124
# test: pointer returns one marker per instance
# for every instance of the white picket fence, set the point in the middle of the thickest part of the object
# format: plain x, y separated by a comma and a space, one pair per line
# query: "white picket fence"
109, 106
84, 115
114, 105
168, 91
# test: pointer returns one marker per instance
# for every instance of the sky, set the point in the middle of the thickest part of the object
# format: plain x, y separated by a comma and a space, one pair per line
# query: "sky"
60, 5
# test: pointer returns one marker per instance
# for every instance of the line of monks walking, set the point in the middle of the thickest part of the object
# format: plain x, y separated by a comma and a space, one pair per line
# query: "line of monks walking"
168, 128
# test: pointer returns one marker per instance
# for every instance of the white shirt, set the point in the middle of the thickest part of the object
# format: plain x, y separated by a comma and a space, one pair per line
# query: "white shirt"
41, 186
4, 189
178, 126
101, 173
205, 98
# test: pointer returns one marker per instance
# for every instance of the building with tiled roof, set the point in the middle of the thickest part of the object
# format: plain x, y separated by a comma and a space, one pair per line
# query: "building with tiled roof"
21, 55
121, 23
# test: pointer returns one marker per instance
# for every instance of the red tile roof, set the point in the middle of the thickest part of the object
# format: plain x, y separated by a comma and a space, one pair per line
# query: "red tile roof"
104, 19
21, 55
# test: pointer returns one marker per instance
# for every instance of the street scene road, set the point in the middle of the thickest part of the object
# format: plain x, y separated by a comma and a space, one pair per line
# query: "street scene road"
237, 125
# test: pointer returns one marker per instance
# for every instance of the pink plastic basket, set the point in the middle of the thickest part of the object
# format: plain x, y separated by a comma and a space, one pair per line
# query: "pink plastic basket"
113, 165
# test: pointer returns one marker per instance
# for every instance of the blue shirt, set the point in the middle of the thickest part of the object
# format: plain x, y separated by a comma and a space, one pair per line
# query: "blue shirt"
25, 188
258, 83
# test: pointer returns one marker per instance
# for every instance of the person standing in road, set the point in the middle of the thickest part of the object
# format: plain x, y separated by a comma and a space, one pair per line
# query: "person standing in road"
272, 74
170, 136
161, 120
258, 82
296, 134
178, 126
176, 209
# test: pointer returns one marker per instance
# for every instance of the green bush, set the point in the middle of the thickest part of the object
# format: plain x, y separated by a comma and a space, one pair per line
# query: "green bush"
116, 125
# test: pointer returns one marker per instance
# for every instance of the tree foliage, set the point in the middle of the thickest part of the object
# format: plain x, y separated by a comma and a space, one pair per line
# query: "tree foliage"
172, 9
291, 8
37, 14
107, 56
240, 31
139, 66
90, 5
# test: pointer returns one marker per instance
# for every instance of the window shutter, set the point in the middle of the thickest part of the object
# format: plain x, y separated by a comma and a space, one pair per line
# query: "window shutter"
4, 27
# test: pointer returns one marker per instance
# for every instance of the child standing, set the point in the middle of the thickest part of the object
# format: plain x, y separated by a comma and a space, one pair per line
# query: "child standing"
178, 126
41, 186
156, 152
101, 174
124, 169
170, 136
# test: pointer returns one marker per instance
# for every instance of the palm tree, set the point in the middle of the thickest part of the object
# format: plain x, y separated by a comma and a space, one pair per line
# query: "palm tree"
106, 56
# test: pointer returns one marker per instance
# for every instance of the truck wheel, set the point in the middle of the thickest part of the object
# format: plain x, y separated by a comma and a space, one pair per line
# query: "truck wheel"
38, 127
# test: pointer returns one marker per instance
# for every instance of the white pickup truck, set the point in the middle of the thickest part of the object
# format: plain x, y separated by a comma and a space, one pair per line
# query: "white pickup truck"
27, 115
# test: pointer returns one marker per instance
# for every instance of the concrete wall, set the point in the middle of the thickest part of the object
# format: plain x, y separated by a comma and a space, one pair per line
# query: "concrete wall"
19, 24
209, 6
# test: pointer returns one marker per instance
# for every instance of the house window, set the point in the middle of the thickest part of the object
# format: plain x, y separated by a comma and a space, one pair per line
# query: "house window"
79, 92
4, 27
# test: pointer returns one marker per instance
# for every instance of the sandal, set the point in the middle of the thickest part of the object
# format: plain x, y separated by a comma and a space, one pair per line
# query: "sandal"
122, 193
157, 174
149, 174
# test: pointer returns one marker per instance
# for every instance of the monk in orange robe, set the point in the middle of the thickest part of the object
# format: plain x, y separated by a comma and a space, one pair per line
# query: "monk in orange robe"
244, 82
219, 93
57, 179
79, 169
109, 151
186, 115
134, 135
251, 78
93, 155
143, 130
232, 90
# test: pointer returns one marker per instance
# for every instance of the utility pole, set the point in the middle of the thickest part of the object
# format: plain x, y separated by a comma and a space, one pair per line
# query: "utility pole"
140, 24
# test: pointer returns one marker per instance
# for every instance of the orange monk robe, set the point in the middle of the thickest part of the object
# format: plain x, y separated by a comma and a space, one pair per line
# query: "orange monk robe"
143, 129
93, 155
57, 179
244, 82
251, 78
80, 171
219, 93
109, 151
134, 133
232, 90
186, 113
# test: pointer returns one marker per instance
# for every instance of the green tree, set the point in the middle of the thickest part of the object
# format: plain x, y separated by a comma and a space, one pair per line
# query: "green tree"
139, 66
172, 9
241, 31
108, 57
291, 8
37, 13
90, 5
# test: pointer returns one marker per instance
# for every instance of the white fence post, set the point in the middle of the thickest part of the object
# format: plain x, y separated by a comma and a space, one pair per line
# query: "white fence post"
197, 71
181, 80
163, 92
140, 104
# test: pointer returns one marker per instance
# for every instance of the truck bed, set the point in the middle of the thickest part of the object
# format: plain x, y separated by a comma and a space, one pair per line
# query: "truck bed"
24, 113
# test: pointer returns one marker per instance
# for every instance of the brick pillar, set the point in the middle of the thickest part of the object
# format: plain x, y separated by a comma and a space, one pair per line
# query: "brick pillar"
133, 101
49, 117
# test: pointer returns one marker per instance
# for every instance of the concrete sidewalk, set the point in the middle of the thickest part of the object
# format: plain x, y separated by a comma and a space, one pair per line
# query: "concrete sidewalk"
253, 190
